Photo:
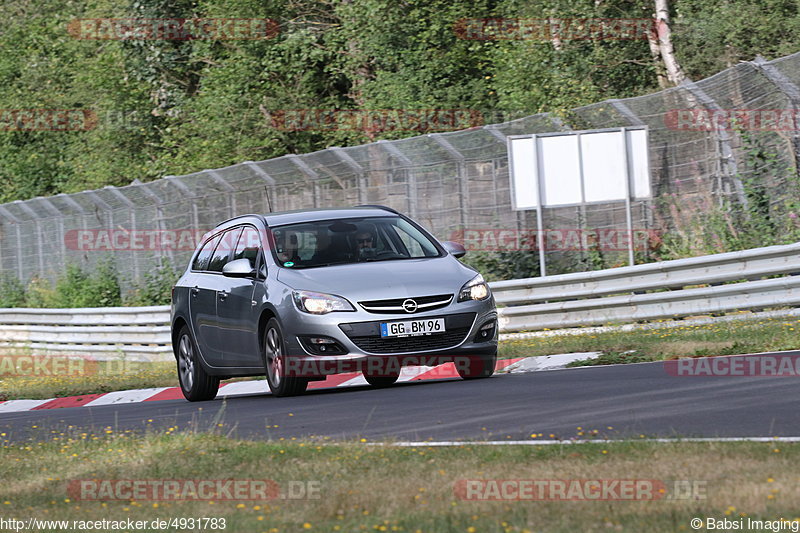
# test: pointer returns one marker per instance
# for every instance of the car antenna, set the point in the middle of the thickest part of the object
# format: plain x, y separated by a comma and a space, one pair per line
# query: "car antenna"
269, 200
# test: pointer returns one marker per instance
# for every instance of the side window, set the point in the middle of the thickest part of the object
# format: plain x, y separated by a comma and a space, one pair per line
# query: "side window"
204, 257
248, 246
222, 253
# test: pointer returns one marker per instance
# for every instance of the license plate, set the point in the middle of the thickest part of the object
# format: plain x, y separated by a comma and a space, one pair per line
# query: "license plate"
411, 328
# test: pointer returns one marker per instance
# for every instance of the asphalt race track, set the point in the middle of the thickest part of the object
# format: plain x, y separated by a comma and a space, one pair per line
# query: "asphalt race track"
634, 400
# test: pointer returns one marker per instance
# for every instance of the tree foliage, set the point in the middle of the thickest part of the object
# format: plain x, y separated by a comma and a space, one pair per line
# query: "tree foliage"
174, 107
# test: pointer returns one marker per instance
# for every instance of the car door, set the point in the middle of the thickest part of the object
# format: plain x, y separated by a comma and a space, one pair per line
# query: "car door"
235, 309
203, 304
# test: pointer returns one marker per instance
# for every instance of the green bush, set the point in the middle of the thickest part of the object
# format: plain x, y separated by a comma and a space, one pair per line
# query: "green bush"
79, 288
12, 292
496, 266
39, 293
155, 288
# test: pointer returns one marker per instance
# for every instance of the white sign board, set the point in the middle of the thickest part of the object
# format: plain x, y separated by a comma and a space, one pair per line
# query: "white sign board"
575, 168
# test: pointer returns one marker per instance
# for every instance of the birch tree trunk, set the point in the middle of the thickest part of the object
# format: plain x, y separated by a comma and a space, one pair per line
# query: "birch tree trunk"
674, 71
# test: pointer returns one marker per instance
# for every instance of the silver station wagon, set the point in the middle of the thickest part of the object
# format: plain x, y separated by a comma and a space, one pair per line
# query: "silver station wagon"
301, 295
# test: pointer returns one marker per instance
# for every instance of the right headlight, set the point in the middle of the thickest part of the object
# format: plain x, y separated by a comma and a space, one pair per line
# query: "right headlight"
318, 303
474, 289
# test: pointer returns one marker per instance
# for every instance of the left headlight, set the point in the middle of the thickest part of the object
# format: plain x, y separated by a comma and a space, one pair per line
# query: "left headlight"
318, 303
474, 289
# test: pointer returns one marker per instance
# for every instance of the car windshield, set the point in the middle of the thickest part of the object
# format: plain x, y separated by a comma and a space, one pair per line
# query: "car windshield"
351, 240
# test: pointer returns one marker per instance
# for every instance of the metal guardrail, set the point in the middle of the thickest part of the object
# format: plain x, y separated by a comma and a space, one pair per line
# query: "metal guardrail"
136, 333
668, 289
699, 285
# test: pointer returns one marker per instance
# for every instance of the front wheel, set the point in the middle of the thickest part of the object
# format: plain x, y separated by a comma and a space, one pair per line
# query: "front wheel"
196, 384
471, 367
275, 362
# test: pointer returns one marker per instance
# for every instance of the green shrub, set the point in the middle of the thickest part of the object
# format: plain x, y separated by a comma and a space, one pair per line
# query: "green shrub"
77, 287
40, 293
496, 266
12, 291
155, 287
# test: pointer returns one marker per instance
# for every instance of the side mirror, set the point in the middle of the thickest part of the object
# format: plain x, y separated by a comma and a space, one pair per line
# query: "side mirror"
457, 250
239, 268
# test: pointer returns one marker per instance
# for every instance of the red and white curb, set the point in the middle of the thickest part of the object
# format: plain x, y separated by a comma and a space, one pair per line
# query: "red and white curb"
244, 388
228, 390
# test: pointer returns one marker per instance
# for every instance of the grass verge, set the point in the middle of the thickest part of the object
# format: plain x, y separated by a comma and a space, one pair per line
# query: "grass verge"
365, 487
699, 340
21, 380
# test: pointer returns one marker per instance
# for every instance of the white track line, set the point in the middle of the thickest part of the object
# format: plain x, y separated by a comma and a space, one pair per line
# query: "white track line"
596, 441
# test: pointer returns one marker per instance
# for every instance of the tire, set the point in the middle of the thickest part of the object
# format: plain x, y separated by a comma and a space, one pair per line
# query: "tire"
274, 357
381, 381
477, 367
196, 384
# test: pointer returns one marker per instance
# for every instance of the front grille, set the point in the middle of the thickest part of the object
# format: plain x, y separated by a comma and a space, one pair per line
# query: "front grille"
366, 335
411, 344
395, 305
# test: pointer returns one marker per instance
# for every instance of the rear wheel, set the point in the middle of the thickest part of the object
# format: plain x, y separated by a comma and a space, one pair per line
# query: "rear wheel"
275, 362
476, 367
381, 381
196, 384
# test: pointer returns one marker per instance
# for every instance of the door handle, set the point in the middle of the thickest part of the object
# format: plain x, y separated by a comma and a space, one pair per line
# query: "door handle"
195, 291
223, 294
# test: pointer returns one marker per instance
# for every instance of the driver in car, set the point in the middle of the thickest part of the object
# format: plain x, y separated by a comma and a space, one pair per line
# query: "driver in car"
288, 249
365, 247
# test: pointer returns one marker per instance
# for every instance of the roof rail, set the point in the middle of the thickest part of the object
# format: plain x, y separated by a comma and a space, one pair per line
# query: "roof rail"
259, 216
377, 206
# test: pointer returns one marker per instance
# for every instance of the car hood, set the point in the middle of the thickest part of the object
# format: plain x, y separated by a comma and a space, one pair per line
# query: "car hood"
383, 279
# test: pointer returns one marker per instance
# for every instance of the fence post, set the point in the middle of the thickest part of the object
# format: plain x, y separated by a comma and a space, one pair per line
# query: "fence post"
266, 177
411, 179
159, 221
310, 173
176, 181
228, 187
727, 159
792, 92
362, 184
9, 216
39, 239
461, 178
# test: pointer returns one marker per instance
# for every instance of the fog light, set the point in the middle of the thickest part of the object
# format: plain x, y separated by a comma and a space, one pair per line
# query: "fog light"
322, 345
485, 332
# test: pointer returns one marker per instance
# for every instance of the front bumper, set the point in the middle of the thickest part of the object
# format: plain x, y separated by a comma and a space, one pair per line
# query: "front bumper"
358, 333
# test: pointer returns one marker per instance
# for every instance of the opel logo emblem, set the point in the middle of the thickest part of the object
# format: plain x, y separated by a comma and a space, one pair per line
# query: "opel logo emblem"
410, 305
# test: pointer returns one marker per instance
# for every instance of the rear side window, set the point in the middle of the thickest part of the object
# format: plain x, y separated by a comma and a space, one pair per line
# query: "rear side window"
224, 250
204, 257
